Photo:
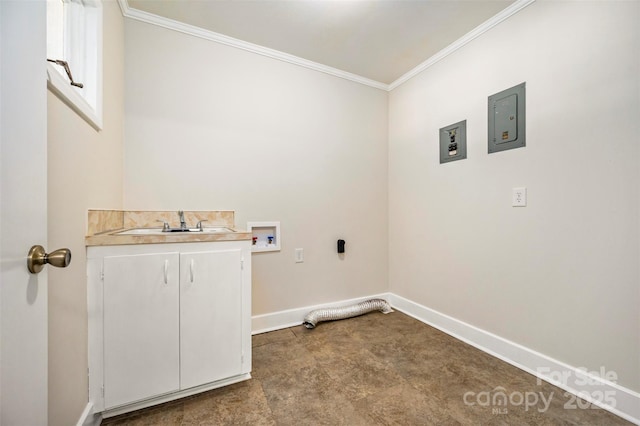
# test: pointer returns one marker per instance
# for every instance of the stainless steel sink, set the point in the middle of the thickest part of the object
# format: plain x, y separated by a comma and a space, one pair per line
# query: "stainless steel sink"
159, 231
215, 229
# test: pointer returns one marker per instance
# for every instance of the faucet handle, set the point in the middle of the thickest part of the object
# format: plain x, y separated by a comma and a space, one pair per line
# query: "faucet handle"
199, 225
165, 225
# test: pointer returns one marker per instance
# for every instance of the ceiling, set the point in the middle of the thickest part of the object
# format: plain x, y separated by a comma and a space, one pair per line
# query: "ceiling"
379, 40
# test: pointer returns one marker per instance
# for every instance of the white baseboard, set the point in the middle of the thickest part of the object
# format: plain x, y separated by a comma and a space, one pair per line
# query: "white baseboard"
88, 418
591, 387
292, 317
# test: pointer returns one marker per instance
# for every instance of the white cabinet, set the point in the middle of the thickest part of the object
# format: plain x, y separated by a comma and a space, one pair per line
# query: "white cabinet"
141, 327
166, 321
210, 330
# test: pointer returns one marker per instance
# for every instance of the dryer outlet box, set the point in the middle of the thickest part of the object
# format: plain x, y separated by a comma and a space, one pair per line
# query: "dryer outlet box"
453, 142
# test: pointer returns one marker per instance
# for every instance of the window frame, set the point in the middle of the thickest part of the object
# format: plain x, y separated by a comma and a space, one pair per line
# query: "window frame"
57, 80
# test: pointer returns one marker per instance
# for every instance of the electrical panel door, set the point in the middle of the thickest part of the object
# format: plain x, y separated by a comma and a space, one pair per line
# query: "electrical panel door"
507, 119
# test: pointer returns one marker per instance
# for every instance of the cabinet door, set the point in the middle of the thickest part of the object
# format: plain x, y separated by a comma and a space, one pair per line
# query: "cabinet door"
141, 315
210, 316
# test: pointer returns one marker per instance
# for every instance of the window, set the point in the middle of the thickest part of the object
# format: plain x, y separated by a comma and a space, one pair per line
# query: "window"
74, 37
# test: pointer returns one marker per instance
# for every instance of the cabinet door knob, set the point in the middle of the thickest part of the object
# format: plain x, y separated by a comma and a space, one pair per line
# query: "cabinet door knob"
37, 258
191, 269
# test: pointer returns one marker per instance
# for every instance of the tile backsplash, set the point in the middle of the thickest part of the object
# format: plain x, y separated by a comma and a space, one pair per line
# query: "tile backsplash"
108, 220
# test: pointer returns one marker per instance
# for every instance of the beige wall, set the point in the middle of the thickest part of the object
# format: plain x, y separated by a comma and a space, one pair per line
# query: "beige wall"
560, 276
84, 171
213, 127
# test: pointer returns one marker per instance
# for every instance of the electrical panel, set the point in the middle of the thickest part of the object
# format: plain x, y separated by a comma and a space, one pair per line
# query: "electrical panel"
507, 119
453, 142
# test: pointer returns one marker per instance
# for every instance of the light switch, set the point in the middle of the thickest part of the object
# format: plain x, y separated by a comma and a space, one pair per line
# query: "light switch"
519, 197
299, 255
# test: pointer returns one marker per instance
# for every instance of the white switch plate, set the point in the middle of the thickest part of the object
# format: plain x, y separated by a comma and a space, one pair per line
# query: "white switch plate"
519, 197
299, 255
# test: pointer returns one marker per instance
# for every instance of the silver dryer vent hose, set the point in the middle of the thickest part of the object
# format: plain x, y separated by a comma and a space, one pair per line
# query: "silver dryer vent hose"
330, 314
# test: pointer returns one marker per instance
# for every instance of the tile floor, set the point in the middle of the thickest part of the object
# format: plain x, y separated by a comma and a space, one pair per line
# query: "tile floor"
374, 370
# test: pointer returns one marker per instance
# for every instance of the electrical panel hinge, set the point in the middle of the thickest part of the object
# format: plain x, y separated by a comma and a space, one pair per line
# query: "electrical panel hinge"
494, 114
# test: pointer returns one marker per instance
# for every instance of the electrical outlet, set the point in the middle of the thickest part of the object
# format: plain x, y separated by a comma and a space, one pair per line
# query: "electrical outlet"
519, 197
299, 255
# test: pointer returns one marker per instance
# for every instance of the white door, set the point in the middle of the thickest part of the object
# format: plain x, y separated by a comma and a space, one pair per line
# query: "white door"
23, 212
210, 316
141, 314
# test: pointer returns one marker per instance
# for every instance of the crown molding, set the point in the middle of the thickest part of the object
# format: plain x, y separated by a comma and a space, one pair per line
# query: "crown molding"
517, 6
160, 21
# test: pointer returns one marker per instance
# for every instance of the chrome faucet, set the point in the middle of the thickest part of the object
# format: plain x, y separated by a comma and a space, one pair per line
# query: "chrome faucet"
183, 224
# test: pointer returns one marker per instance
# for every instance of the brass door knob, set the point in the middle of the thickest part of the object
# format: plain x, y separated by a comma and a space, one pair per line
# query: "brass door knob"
37, 258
